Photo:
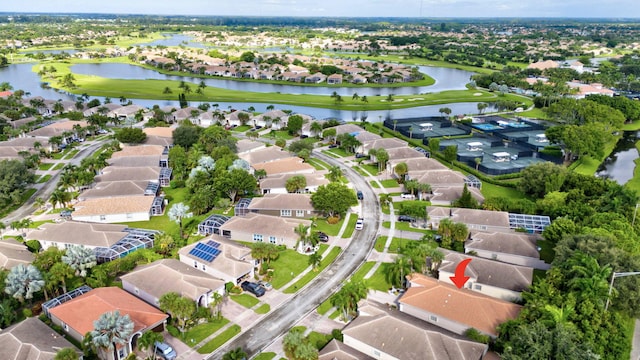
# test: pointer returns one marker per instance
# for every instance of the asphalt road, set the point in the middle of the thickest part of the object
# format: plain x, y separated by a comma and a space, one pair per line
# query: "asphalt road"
45, 191
326, 283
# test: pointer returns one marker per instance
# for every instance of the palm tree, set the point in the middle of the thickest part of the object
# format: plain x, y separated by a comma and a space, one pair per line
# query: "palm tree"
23, 282
385, 199
148, 341
67, 354
259, 251
59, 273
316, 128
401, 170
397, 271
235, 354
303, 232
217, 302
80, 259
178, 212
314, 260
111, 330
335, 173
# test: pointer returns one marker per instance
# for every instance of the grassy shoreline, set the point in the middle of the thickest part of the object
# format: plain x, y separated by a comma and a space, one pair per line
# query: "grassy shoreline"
154, 89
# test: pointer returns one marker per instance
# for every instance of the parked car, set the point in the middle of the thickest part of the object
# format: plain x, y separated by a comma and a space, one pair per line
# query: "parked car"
266, 285
406, 218
408, 196
322, 236
360, 195
360, 156
165, 351
360, 224
253, 288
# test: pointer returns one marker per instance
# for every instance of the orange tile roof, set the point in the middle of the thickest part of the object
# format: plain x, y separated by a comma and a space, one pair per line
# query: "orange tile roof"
81, 312
463, 306
159, 131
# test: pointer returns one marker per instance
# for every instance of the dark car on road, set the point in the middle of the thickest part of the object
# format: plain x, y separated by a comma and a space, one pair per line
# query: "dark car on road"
253, 288
406, 218
360, 195
322, 236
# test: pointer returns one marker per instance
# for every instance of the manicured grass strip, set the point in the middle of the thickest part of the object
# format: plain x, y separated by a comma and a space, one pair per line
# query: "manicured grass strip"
219, 340
312, 274
403, 226
200, 332
389, 183
44, 179
334, 315
263, 309
493, 190
374, 184
378, 280
45, 166
58, 166
329, 229
245, 300
319, 340
288, 265
324, 307
318, 164
35, 224
329, 153
371, 169
351, 225
265, 356
359, 171
380, 241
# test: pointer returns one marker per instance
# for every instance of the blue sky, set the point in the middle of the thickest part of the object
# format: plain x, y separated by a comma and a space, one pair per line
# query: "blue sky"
350, 8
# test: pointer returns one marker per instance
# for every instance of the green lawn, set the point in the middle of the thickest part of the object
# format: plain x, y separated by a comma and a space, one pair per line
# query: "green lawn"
325, 227
324, 307
219, 340
404, 226
278, 134
45, 166
241, 128
360, 171
44, 179
263, 309
326, 260
319, 340
492, 190
547, 253
374, 184
587, 165
351, 225
371, 169
288, 265
378, 281
245, 300
200, 332
265, 356
328, 153
338, 152
318, 164
58, 166
390, 183
634, 126
634, 182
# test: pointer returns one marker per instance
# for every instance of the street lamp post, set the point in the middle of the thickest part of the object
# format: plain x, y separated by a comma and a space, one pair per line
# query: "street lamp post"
613, 277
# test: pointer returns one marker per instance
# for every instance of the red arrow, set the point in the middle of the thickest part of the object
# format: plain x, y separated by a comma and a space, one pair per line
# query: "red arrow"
459, 279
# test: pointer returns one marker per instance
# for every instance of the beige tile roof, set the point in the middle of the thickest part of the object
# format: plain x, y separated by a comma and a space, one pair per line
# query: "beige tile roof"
135, 161
159, 131
471, 216
31, 339
506, 243
158, 140
246, 145
404, 337
290, 165
114, 173
365, 136
279, 180
282, 201
79, 233
138, 150
13, 253
267, 225
235, 260
336, 350
441, 176
80, 312
452, 193
404, 153
115, 188
115, 205
57, 128
171, 275
347, 129
419, 164
494, 273
269, 154
462, 306
25, 143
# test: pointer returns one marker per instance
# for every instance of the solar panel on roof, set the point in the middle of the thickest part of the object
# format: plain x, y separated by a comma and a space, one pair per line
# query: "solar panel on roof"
207, 252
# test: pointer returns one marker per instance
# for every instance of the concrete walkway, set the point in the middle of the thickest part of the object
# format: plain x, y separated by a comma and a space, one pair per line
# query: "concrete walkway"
635, 342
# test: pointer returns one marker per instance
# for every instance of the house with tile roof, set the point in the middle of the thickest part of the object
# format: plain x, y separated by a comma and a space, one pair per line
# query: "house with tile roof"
263, 228
246, 146
149, 282
492, 278
275, 184
446, 195
231, 263
416, 166
118, 209
14, 253
403, 153
266, 155
31, 339
454, 309
285, 205
337, 350
380, 332
120, 188
76, 317
291, 165
483, 220
512, 248
382, 143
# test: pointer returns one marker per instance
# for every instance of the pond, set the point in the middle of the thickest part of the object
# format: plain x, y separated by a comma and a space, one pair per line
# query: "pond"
619, 166
174, 40
21, 77
446, 79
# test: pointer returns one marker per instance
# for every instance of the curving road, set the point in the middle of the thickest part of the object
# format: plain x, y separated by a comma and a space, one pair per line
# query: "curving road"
326, 283
45, 191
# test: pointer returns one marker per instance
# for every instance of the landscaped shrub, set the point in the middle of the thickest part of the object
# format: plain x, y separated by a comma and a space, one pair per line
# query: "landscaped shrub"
476, 335
333, 220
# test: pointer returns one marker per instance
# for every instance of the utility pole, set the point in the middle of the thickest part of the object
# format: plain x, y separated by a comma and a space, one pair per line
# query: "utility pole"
613, 277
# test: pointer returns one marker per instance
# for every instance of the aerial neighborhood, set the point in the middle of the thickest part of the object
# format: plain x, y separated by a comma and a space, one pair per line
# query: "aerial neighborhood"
317, 188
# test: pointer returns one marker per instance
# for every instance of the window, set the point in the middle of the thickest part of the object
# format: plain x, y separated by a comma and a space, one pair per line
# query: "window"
257, 237
433, 318
195, 264
477, 287
285, 212
65, 327
137, 291
272, 239
299, 213
204, 267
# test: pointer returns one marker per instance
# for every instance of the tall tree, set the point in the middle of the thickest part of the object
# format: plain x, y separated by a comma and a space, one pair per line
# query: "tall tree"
23, 282
67, 354
148, 340
235, 354
333, 199
111, 330
179, 212
80, 259
296, 183
398, 270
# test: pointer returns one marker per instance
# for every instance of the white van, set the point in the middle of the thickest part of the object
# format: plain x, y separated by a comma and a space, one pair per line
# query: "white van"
408, 196
360, 224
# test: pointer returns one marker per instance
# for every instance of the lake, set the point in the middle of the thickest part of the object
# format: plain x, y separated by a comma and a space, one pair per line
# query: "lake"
619, 166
